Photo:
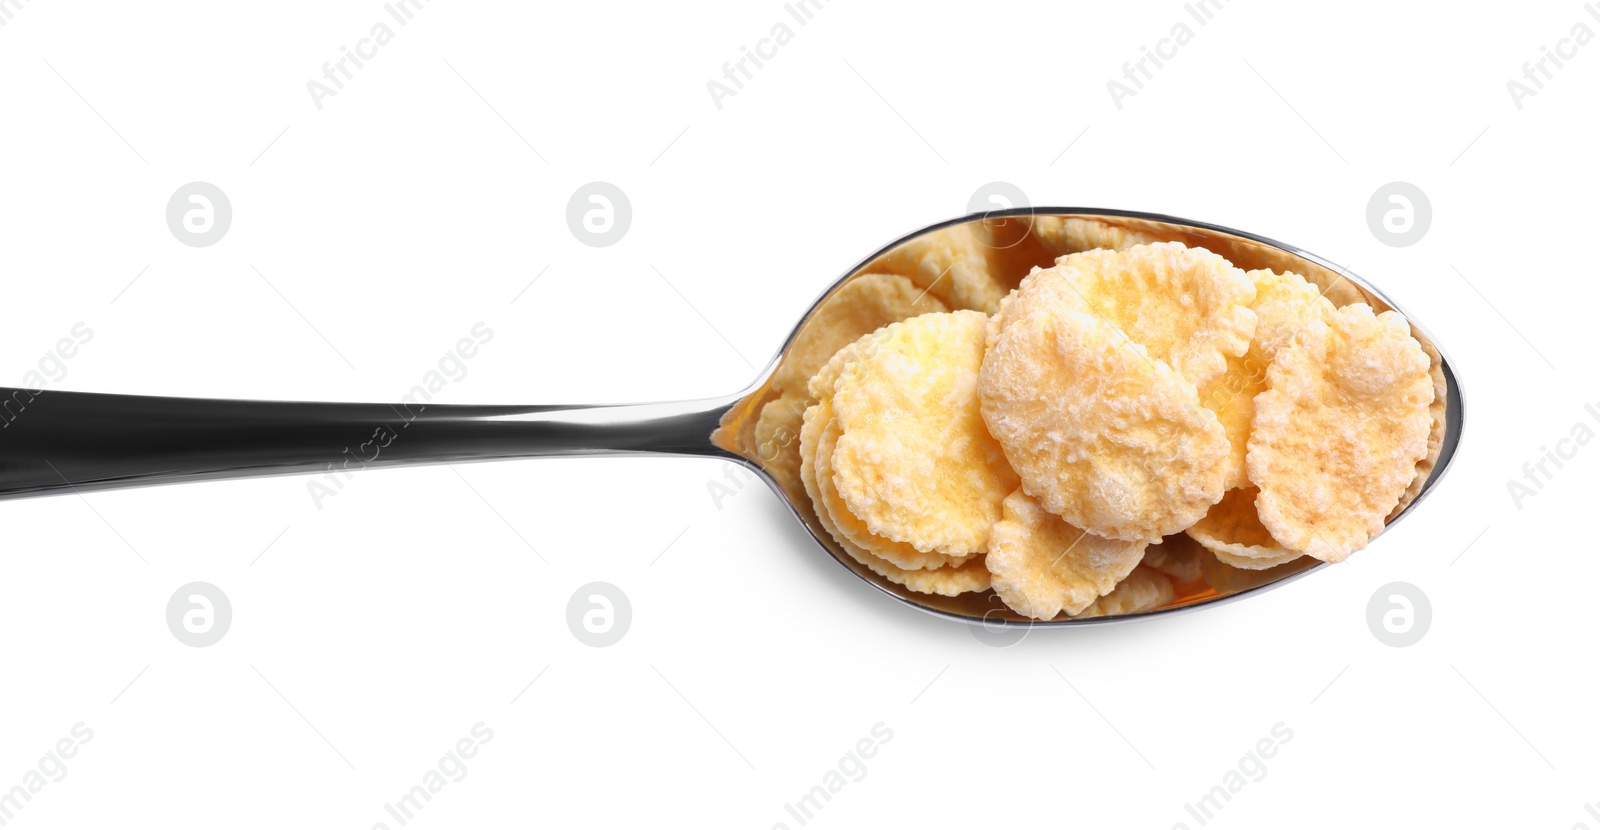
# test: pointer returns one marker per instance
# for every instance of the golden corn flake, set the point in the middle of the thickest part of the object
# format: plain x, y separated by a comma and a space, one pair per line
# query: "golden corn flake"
950, 580
1251, 255
1145, 589
951, 264
817, 416
1232, 398
1255, 563
1102, 435
1234, 533
1011, 249
1284, 304
858, 308
1338, 433
1437, 412
822, 383
852, 529
1042, 566
777, 437
914, 460
1176, 556
1187, 306
1228, 579
1071, 234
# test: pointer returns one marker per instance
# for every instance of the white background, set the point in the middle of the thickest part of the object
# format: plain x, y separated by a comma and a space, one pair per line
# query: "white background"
373, 633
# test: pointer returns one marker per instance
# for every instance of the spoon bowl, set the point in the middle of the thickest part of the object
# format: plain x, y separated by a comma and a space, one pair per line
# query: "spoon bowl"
1216, 582
72, 442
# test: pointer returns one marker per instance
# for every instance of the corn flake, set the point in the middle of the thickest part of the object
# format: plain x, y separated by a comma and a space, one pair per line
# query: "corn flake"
1103, 435
1042, 566
1145, 589
1338, 433
914, 460
1187, 306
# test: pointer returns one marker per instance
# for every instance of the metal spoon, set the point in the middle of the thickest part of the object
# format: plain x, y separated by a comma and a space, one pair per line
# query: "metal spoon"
55, 441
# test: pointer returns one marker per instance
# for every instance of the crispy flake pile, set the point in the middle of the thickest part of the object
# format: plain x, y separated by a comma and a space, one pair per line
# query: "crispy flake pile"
1046, 437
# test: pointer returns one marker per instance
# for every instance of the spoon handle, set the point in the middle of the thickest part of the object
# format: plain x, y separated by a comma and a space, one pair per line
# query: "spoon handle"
55, 441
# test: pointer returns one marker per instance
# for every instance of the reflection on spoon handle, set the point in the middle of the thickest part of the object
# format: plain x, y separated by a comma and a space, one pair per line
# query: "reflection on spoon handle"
53, 441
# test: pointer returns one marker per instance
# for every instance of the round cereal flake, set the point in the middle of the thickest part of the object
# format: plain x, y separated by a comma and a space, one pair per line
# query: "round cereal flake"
914, 460
1103, 435
949, 581
1233, 532
1064, 235
951, 264
1145, 589
1284, 304
1041, 566
1187, 306
851, 528
1338, 433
